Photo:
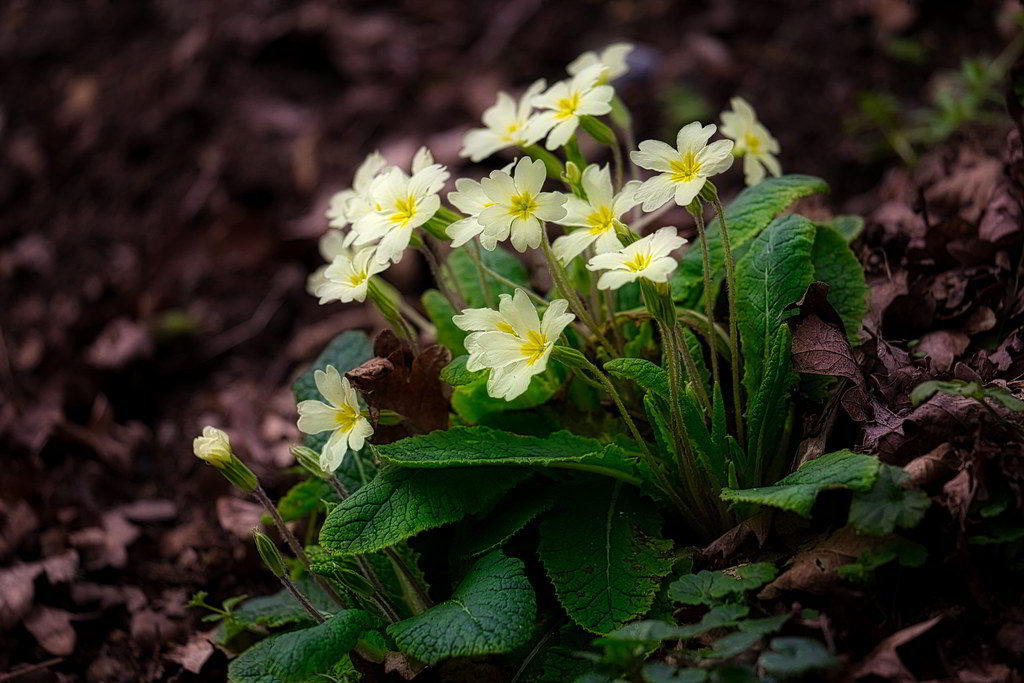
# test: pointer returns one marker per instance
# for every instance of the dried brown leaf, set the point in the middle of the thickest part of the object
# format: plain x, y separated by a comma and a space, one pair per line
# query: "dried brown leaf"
52, 629
884, 661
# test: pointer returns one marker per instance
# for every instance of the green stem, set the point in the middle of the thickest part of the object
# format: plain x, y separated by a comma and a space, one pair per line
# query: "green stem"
302, 600
569, 294
537, 298
691, 369
734, 343
474, 255
709, 303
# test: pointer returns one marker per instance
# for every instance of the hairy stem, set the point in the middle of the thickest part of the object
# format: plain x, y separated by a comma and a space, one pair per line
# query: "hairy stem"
734, 343
709, 303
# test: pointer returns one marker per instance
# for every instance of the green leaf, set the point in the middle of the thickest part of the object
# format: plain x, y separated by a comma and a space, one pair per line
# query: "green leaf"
731, 645
836, 264
661, 672
788, 658
850, 227
649, 632
697, 351
467, 277
767, 411
710, 588
746, 216
559, 659
281, 609
493, 610
957, 387
472, 402
348, 350
473, 446
906, 552
508, 518
456, 374
839, 470
602, 550
301, 656
646, 374
711, 458
302, 499
771, 276
401, 502
441, 313
888, 504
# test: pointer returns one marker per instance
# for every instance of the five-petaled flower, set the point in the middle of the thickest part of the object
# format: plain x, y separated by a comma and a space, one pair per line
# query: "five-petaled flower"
612, 58
348, 204
646, 258
513, 342
567, 101
753, 141
682, 171
508, 124
517, 206
348, 277
595, 217
340, 416
401, 203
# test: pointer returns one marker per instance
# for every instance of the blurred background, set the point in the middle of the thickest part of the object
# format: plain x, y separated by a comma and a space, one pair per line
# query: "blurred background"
164, 170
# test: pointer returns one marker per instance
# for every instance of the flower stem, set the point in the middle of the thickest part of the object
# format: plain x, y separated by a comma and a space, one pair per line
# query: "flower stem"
302, 600
569, 294
709, 303
495, 275
293, 543
474, 254
734, 343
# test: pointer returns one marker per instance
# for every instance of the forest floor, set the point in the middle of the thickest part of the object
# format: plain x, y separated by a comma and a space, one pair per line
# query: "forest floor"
164, 168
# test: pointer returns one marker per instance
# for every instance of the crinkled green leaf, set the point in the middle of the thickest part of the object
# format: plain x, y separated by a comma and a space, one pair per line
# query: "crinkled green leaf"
302, 499
348, 350
456, 374
850, 227
401, 502
601, 548
467, 276
788, 658
746, 216
768, 410
646, 374
281, 609
302, 656
797, 492
441, 313
771, 276
508, 518
484, 446
711, 587
888, 504
472, 403
651, 631
836, 264
732, 645
711, 458
559, 659
493, 610
697, 353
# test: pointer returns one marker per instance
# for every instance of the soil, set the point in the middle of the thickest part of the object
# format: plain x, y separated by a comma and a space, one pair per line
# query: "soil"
164, 169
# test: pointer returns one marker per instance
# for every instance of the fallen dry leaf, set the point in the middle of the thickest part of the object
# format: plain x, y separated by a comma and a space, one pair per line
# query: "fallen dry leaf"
813, 569
52, 629
149, 510
193, 655
106, 545
943, 347
884, 661
18, 522
16, 592
238, 516
934, 467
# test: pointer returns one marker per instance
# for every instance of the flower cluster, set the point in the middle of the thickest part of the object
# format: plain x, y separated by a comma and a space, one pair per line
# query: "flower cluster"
390, 208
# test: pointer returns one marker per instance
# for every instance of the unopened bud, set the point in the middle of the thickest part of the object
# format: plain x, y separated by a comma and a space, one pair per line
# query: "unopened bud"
214, 448
385, 303
625, 235
309, 461
573, 175
598, 130
269, 553
570, 357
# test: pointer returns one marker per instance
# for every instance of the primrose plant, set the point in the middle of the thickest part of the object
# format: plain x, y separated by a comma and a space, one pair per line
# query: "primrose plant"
523, 464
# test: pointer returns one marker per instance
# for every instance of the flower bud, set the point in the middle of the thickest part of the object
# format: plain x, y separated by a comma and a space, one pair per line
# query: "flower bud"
625, 235
309, 460
599, 131
269, 553
569, 357
386, 304
214, 448
573, 175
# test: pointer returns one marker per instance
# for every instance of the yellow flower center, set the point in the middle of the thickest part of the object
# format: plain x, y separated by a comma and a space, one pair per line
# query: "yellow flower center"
405, 209
639, 262
505, 327
566, 107
752, 143
685, 169
346, 417
510, 132
522, 206
534, 347
601, 221
357, 279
